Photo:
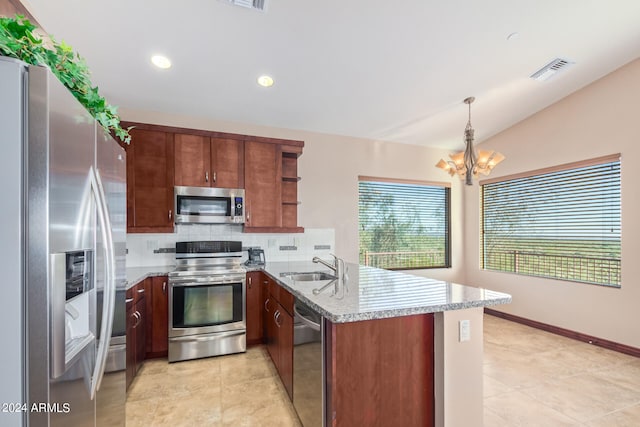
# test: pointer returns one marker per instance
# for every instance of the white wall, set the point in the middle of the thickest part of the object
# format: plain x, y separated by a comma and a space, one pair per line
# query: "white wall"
597, 120
329, 167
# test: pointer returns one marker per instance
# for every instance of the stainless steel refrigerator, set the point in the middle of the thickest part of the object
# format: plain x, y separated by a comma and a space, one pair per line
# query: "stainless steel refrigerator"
62, 255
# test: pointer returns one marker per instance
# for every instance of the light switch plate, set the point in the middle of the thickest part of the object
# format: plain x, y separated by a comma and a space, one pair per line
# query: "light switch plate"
464, 329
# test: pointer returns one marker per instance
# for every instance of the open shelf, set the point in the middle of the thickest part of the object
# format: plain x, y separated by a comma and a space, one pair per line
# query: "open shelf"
291, 178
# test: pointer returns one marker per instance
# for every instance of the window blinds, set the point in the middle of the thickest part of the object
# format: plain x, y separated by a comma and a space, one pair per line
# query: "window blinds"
563, 224
403, 225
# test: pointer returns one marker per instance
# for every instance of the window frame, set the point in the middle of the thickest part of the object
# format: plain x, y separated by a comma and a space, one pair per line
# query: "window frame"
447, 215
536, 174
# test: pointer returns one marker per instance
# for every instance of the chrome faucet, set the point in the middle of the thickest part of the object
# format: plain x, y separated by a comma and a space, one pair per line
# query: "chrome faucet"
337, 266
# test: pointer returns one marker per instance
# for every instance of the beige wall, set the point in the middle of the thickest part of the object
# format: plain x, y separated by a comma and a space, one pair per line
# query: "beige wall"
458, 383
329, 168
597, 120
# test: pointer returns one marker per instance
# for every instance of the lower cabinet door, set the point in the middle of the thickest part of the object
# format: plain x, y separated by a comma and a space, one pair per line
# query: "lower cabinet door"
271, 316
253, 307
140, 333
159, 317
131, 344
285, 348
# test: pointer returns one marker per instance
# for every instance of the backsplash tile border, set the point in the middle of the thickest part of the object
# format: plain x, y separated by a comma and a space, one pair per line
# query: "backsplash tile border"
151, 249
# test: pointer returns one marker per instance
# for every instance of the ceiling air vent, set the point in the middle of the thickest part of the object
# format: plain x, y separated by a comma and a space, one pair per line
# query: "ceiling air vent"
250, 4
551, 69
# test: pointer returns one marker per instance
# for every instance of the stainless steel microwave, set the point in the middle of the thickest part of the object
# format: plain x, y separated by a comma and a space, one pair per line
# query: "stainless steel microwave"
203, 205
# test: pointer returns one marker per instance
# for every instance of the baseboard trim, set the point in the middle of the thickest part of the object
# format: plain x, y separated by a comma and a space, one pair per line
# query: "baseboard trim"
600, 342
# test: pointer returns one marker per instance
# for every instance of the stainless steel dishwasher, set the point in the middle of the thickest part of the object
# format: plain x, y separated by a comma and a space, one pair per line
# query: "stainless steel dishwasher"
308, 365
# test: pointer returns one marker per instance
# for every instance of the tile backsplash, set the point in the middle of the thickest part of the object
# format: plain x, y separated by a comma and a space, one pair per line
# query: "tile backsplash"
147, 249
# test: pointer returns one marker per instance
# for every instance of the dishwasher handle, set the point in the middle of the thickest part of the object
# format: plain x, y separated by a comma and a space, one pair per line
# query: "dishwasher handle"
308, 322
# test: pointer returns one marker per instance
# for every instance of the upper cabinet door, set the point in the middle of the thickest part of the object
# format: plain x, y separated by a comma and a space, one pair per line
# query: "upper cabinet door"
209, 162
263, 182
227, 158
193, 161
150, 170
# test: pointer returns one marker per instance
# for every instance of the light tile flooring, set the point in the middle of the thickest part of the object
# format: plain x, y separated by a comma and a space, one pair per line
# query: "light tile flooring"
531, 378
534, 378
234, 390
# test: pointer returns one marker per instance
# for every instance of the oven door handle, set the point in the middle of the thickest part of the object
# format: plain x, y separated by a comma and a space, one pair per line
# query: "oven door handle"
207, 283
193, 281
209, 337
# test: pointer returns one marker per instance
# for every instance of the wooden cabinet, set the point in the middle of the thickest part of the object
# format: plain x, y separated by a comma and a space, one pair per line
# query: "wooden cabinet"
150, 171
271, 187
254, 306
160, 157
136, 330
263, 181
278, 320
157, 343
388, 363
284, 342
202, 161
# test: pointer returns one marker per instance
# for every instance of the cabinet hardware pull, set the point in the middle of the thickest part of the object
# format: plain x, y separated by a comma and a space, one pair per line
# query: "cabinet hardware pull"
266, 303
164, 288
128, 300
249, 282
141, 291
169, 213
214, 177
138, 316
206, 177
276, 318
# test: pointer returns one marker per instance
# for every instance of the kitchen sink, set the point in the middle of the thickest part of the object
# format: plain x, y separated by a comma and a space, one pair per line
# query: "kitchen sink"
308, 276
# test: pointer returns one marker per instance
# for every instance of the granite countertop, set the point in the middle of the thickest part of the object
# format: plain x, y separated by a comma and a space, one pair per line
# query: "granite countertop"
367, 293
136, 275
373, 293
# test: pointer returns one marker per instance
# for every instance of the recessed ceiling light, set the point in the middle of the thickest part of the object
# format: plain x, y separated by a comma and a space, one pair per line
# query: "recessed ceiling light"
161, 61
265, 81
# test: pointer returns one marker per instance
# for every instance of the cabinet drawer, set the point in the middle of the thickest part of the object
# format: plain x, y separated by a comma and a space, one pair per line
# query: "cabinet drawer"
281, 295
135, 293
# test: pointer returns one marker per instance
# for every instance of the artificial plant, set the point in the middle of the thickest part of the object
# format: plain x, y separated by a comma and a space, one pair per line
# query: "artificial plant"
18, 40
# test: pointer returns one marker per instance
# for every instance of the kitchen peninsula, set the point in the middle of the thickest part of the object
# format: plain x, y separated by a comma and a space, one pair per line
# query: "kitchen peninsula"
392, 349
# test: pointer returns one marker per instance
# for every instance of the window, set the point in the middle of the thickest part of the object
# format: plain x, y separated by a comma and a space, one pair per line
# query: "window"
561, 223
403, 224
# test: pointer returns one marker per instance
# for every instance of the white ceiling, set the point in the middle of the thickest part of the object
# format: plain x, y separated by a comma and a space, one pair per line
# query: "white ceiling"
389, 70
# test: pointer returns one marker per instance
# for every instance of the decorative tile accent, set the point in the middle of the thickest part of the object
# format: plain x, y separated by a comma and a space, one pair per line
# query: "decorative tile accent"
321, 247
288, 248
165, 251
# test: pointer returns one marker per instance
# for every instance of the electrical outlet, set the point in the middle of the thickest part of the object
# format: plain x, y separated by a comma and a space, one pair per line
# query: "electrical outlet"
271, 243
464, 329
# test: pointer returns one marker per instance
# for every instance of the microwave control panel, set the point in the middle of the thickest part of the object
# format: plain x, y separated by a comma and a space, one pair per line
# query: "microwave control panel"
238, 206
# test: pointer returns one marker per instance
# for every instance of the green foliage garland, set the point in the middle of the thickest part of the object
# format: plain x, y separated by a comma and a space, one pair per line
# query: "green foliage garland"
17, 40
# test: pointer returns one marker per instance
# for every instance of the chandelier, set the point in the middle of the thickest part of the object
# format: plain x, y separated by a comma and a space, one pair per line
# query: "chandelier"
469, 163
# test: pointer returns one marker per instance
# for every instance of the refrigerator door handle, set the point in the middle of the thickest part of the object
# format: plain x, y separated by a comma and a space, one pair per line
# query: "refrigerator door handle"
109, 284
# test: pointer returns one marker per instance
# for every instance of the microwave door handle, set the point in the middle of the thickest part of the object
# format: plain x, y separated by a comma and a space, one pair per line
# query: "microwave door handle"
106, 327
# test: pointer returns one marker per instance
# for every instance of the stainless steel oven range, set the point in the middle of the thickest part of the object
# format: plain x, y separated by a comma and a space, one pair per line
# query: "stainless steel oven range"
207, 300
